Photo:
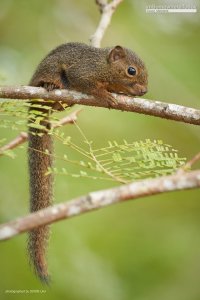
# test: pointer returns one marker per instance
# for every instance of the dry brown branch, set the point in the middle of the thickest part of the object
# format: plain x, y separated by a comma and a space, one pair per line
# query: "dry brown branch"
106, 9
140, 105
189, 164
23, 136
20, 139
99, 199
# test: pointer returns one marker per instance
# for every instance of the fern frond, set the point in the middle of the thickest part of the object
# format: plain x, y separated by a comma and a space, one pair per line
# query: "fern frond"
118, 161
125, 161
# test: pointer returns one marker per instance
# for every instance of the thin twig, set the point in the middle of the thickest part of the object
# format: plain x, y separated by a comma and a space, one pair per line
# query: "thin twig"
189, 164
99, 199
20, 139
23, 136
140, 105
106, 10
70, 119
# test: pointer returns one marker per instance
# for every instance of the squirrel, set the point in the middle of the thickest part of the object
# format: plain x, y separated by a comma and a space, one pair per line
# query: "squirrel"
90, 70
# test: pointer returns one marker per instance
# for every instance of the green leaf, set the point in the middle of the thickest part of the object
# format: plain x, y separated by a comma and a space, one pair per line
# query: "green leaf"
116, 157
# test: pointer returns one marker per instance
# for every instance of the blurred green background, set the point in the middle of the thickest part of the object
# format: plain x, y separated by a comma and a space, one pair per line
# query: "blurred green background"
147, 249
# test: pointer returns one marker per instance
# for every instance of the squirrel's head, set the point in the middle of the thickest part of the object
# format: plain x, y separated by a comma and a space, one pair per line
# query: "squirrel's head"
128, 72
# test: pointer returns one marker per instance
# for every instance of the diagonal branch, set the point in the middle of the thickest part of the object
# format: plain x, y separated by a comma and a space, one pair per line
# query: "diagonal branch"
189, 164
99, 199
106, 10
140, 105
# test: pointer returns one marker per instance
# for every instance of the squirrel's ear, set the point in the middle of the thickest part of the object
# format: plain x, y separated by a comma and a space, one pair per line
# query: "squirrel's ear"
116, 53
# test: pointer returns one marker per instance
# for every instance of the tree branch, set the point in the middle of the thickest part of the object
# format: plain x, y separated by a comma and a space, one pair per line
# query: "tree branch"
189, 164
23, 136
140, 105
106, 10
99, 199
20, 139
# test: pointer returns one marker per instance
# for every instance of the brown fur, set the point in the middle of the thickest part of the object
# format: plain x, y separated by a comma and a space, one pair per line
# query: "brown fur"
89, 70
40, 197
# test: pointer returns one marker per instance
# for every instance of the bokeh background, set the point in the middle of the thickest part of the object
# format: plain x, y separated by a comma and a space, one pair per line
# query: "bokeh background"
147, 249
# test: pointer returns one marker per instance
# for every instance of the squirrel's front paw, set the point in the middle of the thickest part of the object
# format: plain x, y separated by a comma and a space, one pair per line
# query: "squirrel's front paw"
110, 100
105, 96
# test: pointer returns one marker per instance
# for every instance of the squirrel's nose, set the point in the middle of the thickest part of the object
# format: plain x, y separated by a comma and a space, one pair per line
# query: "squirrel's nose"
139, 89
143, 90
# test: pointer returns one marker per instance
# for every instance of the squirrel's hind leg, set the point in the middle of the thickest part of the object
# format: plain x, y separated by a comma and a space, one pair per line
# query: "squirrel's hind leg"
49, 86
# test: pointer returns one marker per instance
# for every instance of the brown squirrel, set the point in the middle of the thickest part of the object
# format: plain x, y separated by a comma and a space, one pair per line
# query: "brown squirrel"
74, 66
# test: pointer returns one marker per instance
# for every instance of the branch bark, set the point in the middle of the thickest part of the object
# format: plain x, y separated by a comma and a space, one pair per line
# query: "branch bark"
140, 105
189, 164
106, 10
100, 199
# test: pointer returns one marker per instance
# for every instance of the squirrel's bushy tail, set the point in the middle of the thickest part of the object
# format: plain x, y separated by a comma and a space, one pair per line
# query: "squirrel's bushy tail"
40, 197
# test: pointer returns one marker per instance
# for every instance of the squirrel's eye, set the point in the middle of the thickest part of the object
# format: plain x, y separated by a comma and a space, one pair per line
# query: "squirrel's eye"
131, 71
